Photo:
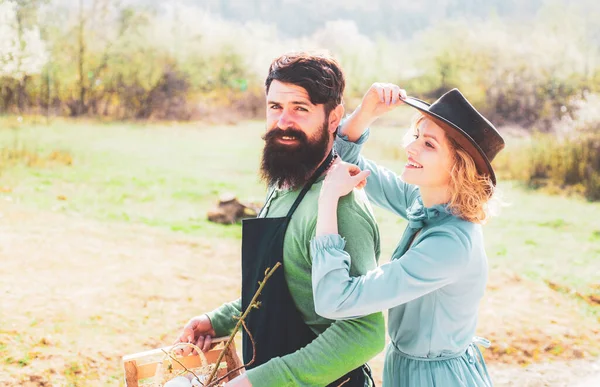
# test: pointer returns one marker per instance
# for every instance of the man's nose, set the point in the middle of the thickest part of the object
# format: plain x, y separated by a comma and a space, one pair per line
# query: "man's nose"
285, 120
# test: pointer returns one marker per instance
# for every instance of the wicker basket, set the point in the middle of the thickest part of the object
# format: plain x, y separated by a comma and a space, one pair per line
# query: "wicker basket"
141, 368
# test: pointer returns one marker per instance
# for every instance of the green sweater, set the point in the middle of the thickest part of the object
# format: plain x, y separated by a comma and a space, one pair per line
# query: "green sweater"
341, 346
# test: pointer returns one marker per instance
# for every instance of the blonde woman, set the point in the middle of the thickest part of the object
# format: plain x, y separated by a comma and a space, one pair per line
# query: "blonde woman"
438, 272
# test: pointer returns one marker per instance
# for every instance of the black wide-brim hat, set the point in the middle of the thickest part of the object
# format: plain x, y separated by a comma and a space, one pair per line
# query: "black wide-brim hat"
463, 123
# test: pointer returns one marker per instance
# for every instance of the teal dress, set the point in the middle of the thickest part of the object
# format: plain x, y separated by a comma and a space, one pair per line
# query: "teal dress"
432, 290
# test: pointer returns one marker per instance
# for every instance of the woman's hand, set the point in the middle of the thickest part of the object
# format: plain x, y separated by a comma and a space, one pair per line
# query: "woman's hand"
380, 99
342, 178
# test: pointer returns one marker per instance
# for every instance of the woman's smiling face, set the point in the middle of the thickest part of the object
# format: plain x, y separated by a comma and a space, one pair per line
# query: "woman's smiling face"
430, 157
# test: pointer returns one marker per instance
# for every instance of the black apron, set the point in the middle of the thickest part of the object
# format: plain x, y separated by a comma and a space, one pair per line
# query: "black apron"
276, 326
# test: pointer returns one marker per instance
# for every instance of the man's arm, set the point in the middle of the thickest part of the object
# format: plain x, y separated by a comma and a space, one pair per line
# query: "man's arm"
222, 318
345, 345
342, 347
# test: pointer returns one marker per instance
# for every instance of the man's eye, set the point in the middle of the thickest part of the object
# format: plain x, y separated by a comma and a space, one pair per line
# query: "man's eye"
275, 106
301, 109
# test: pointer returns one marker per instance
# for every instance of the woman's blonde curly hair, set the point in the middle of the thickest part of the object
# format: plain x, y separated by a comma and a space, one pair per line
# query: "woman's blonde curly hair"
472, 195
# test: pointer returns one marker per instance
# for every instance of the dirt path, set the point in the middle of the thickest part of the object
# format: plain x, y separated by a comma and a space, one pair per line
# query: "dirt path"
77, 294
573, 373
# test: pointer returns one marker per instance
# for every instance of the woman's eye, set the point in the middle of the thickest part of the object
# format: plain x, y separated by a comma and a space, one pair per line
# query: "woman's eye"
429, 144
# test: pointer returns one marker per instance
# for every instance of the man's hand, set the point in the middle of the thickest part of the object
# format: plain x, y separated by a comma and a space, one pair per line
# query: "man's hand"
198, 331
380, 99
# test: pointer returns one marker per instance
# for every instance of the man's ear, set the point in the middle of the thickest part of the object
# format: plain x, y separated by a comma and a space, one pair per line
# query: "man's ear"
335, 117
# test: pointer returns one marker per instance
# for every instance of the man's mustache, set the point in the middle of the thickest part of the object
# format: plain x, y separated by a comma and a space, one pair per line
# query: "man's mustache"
290, 132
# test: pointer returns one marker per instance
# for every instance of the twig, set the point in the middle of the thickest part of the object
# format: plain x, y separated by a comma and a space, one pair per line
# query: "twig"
214, 383
181, 364
253, 304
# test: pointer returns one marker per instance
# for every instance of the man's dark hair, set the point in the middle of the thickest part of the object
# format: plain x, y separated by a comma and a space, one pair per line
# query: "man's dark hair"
321, 76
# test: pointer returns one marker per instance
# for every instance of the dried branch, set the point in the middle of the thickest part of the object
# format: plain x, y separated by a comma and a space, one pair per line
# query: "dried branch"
185, 369
214, 383
253, 304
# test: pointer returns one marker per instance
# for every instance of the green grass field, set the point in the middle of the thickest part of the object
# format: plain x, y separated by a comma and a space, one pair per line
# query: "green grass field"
166, 177
169, 176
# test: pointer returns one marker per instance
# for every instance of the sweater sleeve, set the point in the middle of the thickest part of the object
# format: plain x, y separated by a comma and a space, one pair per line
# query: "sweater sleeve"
342, 347
222, 318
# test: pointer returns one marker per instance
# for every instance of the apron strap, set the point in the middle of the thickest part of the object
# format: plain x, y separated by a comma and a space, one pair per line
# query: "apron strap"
267, 202
322, 168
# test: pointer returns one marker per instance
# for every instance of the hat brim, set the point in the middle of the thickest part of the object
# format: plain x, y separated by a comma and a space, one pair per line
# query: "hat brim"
460, 136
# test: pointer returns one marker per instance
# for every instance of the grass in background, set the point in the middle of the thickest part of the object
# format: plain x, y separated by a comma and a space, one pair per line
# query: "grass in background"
166, 176
169, 176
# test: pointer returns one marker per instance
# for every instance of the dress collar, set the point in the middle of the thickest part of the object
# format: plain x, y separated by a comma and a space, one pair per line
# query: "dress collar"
419, 216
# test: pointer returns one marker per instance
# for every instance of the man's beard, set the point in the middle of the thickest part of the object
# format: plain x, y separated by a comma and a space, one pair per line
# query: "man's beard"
292, 165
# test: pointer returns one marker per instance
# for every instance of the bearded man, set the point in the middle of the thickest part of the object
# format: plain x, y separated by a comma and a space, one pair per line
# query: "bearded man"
294, 345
